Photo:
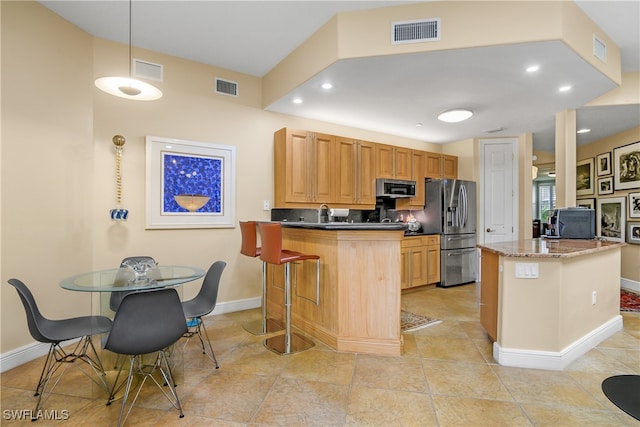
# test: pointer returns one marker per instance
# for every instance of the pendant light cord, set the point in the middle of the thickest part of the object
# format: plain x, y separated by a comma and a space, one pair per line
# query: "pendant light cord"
130, 27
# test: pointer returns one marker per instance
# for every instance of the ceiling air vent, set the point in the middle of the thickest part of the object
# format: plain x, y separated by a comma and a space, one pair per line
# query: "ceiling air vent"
423, 30
226, 87
147, 70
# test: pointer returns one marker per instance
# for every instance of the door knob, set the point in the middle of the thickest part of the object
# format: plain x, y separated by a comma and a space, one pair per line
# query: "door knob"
489, 230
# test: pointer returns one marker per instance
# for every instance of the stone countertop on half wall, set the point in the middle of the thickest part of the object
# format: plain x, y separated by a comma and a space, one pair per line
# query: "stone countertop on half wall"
549, 248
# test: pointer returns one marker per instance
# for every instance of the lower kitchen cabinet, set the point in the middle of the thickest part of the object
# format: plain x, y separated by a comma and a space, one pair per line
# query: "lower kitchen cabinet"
420, 261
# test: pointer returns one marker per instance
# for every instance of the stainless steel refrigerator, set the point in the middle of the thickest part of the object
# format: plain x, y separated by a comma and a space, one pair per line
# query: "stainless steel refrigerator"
450, 210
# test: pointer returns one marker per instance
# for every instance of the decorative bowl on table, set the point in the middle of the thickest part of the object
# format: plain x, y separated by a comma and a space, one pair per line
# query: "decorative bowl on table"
191, 202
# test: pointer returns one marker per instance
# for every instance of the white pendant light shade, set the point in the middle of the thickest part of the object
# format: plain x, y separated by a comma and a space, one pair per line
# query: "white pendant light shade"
128, 88
455, 116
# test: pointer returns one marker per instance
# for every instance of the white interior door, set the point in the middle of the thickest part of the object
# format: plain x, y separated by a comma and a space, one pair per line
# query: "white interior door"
499, 199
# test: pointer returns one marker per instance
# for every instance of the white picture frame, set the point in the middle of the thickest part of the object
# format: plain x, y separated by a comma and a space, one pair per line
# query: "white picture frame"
603, 162
633, 232
605, 185
626, 171
189, 184
585, 181
611, 218
634, 204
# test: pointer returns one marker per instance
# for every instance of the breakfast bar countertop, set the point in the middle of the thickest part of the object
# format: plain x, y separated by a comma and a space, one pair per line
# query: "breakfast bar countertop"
549, 248
346, 225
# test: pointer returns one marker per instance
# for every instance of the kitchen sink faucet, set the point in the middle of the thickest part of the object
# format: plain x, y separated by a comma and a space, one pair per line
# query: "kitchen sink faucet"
323, 212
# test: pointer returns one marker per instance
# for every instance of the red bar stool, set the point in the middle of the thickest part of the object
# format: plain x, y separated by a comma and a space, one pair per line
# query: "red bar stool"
272, 253
250, 248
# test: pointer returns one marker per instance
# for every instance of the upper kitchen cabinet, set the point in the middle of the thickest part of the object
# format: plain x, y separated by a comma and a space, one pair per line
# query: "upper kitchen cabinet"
418, 174
393, 162
441, 166
356, 174
303, 168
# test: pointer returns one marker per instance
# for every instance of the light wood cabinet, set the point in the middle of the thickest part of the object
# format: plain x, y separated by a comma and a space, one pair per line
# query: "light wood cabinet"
441, 166
418, 174
304, 167
356, 172
393, 162
449, 167
489, 293
420, 261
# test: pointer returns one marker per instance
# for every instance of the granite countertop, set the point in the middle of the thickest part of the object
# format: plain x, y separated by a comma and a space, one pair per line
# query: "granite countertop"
549, 248
383, 226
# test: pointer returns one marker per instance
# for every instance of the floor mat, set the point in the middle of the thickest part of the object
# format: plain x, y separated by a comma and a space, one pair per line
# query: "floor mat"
412, 322
629, 301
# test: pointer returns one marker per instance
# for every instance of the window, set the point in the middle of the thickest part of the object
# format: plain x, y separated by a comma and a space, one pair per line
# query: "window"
544, 199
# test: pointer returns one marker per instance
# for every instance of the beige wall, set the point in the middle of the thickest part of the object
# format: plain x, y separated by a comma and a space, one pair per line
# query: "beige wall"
58, 163
630, 253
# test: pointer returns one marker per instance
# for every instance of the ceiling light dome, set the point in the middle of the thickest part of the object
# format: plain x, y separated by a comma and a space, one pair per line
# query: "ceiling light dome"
455, 115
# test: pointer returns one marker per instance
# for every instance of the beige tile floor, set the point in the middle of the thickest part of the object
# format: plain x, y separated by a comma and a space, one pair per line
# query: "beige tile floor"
446, 377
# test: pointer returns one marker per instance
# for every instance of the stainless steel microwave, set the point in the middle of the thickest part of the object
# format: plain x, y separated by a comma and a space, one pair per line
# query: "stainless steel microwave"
395, 188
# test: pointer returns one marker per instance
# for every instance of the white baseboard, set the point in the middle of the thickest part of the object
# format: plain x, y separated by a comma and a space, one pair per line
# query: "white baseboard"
556, 361
632, 285
29, 352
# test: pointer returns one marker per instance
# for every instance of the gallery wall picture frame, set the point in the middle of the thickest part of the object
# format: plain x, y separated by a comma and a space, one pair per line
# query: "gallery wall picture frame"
626, 166
611, 218
189, 184
603, 164
585, 177
605, 185
633, 232
634, 205
586, 203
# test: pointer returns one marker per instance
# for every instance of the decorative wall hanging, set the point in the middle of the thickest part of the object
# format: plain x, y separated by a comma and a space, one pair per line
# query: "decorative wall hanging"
603, 164
611, 218
633, 233
634, 205
626, 170
119, 213
605, 185
584, 177
190, 184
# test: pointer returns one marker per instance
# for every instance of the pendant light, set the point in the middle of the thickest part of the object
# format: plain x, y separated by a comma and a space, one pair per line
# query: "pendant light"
128, 87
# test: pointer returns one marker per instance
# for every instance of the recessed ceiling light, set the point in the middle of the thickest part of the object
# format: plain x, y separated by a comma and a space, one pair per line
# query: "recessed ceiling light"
584, 130
454, 116
533, 68
419, 124
297, 100
326, 86
564, 88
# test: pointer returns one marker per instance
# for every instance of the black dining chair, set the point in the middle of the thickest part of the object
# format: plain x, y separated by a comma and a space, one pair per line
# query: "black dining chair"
116, 297
203, 304
147, 322
57, 332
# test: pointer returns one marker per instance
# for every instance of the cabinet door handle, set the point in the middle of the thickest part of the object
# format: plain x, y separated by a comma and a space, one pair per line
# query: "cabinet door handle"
489, 230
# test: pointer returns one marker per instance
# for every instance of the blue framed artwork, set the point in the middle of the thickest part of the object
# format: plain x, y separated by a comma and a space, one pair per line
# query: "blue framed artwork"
190, 184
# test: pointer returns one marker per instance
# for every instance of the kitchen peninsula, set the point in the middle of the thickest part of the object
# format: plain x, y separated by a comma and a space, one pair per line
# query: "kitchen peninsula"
357, 305
547, 302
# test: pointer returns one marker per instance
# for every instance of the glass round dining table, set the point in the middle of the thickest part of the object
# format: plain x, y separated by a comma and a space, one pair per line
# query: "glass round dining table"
127, 279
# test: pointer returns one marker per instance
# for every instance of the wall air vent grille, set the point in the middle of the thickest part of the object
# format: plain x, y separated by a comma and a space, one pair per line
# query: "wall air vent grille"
226, 87
148, 70
599, 49
423, 30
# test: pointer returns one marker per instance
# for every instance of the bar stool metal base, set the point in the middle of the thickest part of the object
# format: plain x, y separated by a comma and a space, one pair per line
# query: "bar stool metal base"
263, 327
278, 344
